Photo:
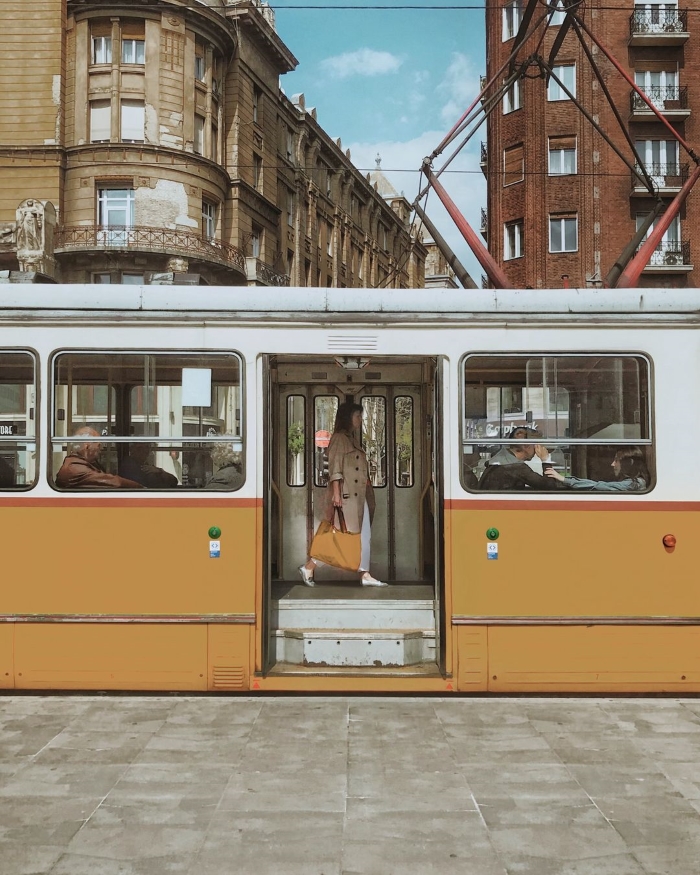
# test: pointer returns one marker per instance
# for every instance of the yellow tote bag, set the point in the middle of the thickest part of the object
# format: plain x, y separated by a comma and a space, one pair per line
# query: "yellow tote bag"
336, 546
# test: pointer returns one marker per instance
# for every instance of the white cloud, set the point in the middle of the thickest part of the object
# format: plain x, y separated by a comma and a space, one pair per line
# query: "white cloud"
363, 62
464, 182
458, 88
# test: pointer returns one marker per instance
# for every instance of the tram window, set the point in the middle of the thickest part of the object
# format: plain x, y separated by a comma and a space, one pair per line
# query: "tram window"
296, 444
374, 437
583, 407
325, 409
159, 420
18, 461
403, 440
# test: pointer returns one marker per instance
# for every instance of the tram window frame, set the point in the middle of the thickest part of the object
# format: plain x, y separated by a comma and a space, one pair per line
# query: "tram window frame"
289, 455
30, 441
475, 447
156, 370
412, 448
381, 442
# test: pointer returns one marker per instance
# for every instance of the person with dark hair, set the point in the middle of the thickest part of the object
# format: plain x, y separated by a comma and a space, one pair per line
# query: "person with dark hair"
349, 488
138, 466
507, 470
630, 470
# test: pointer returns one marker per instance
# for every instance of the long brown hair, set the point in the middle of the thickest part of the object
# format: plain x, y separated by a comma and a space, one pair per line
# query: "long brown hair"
343, 418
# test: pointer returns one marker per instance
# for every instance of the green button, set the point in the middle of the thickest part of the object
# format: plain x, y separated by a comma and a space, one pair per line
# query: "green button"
492, 534
215, 532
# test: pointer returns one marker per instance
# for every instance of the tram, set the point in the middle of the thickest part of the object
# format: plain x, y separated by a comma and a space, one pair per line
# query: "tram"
191, 583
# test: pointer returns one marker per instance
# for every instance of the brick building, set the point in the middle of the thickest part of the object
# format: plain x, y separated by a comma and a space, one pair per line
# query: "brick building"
150, 141
561, 203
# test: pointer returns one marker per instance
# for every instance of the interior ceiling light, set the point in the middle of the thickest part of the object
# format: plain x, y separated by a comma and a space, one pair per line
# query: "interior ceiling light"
351, 363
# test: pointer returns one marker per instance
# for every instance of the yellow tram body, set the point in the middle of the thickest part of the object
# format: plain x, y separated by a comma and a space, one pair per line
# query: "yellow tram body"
118, 590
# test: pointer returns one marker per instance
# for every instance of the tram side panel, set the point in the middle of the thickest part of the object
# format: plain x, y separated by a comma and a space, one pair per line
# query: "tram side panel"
128, 596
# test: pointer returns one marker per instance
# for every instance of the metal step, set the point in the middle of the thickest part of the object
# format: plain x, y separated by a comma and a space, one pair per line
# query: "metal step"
379, 648
317, 613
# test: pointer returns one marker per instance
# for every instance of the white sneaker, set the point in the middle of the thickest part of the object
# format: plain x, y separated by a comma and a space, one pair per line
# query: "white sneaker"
306, 576
372, 581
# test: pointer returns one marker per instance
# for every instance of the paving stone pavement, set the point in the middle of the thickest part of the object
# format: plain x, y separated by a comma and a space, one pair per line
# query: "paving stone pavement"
156, 785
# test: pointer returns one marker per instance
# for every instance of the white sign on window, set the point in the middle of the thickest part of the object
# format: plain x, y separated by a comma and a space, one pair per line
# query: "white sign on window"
196, 387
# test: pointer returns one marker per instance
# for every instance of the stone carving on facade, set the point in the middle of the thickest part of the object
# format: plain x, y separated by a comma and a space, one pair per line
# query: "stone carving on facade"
36, 224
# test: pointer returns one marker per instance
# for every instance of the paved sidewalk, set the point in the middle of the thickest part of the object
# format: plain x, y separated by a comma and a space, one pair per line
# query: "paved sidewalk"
127, 785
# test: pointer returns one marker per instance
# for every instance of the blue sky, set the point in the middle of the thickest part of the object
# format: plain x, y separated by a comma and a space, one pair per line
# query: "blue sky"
393, 82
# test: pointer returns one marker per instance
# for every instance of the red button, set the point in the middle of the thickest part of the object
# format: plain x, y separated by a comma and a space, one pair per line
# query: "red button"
669, 540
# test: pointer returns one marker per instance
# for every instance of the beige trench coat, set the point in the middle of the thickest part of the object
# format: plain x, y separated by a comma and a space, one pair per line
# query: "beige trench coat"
347, 462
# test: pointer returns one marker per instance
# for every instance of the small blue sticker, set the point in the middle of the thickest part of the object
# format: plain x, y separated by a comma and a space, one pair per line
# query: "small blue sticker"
214, 549
492, 550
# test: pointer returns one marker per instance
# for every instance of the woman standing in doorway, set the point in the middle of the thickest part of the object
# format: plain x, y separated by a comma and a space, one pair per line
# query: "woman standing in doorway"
349, 488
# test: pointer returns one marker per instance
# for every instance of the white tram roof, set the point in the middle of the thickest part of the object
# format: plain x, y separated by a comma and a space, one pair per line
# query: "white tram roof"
311, 303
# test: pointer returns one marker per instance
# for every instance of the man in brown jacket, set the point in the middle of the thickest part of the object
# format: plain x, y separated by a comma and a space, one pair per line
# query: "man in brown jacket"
80, 469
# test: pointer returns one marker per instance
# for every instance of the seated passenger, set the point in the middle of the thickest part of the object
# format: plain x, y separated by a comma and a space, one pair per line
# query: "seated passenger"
80, 468
630, 470
7, 474
138, 467
508, 468
229, 473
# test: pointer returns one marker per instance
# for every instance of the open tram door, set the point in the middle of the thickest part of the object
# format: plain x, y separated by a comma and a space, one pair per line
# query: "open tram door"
339, 626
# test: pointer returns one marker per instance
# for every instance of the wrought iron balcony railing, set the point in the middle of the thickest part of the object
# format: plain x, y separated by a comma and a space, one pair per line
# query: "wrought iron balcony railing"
484, 221
484, 153
663, 175
671, 253
666, 98
140, 239
659, 19
259, 271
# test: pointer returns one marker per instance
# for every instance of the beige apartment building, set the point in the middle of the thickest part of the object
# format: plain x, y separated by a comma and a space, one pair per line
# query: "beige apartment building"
151, 142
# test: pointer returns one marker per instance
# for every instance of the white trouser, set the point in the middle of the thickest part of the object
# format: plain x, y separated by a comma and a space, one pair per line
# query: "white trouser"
365, 540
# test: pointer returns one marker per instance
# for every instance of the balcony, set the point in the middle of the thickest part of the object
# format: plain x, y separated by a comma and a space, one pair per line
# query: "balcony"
260, 274
484, 224
670, 100
667, 178
86, 238
484, 159
671, 256
659, 26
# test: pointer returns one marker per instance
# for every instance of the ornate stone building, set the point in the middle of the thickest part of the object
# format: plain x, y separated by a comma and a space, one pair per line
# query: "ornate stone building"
150, 142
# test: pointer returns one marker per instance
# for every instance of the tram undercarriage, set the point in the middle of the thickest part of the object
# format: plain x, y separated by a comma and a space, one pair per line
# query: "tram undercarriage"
340, 626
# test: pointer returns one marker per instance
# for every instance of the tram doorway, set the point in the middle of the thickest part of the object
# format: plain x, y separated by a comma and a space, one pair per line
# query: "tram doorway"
340, 624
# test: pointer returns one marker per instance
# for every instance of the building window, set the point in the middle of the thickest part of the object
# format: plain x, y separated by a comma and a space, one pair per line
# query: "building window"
512, 16
257, 171
257, 104
132, 279
115, 215
290, 208
660, 159
513, 165
102, 50
329, 239
557, 17
100, 121
512, 240
256, 241
133, 51
658, 85
670, 249
383, 238
102, 279
563, 233
208, 220
214, 143
562, 156
567, 74
290, 144
133, 121
511, 99
198, 145
199, 68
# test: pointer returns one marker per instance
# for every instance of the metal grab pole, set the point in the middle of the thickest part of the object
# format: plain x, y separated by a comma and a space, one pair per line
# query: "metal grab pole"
630, 275
485, 259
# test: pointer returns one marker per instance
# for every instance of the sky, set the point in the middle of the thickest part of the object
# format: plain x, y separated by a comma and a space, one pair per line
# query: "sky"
391, 81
